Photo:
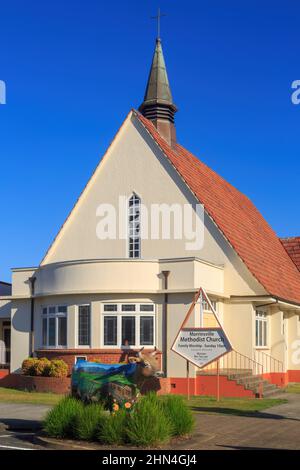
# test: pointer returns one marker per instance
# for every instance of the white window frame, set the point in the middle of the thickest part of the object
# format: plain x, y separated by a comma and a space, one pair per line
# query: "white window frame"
119, 314
55, 315
262, 317
80, 356
131, 227
206, 307
83, 346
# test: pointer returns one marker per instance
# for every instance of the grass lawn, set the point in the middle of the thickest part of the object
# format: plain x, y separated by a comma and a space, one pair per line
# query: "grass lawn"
233, 406
10, 395
293, 388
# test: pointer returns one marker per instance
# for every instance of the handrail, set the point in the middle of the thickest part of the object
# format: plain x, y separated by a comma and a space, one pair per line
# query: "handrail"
236, 363
271, 364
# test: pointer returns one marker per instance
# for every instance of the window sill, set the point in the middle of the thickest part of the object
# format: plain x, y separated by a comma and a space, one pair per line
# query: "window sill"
127, 349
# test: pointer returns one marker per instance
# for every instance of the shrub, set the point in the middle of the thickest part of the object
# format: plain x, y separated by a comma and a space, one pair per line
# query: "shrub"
113, 428
148, 423
57, 368
180, 415
59, 421
41, 366
88, 421
37, 367
28, 366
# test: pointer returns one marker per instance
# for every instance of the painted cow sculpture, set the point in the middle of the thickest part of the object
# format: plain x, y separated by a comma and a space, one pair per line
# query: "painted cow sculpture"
122, 382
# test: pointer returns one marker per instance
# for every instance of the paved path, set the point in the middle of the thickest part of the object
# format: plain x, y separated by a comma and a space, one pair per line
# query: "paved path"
18, 425
275, 428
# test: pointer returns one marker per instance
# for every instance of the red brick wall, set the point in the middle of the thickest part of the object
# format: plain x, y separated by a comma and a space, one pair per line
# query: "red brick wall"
37, 384
3, 373
294, 375
107, 356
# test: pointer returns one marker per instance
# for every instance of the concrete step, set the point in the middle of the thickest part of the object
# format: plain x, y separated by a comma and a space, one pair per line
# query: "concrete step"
272, 392
239, 375
248, 380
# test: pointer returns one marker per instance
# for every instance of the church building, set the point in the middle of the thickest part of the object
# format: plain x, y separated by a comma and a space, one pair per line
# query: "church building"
101, 291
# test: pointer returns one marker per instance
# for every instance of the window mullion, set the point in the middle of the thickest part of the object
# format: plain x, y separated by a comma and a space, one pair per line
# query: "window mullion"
47, 330
56, 327
137, 330
119, 331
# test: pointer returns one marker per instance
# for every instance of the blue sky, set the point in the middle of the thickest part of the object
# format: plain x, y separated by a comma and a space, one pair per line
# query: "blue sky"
73, 69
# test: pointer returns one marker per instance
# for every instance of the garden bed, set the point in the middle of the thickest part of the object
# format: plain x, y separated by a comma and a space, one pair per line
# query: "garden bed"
60, 385
151, 422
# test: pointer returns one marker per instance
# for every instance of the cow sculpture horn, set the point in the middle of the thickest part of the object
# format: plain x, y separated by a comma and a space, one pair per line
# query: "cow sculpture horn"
139, 352
154, 352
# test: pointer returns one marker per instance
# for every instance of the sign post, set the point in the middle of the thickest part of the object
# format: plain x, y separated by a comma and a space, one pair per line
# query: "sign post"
218, 380
188, 378
201, 345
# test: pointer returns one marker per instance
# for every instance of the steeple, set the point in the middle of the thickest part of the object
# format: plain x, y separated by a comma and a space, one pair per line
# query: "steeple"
158, 104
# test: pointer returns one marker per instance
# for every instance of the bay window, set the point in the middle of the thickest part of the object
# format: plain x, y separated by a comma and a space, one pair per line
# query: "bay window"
128, 325
54, 326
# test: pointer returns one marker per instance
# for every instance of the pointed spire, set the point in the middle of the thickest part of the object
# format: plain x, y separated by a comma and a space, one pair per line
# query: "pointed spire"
158, 103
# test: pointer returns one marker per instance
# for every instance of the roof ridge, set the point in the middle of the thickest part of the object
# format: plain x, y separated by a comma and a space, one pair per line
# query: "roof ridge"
297, 237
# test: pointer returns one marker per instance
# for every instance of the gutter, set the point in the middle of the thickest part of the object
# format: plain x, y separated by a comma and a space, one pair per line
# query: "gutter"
31, 343
165, 324
268, 300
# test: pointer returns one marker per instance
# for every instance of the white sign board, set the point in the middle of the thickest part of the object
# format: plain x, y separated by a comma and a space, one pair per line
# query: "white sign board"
201, 345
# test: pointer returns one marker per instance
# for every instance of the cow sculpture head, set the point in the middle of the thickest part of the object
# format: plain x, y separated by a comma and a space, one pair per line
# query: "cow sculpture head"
147, 362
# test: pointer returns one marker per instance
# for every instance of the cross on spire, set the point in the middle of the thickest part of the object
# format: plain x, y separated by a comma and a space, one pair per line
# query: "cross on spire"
158, 18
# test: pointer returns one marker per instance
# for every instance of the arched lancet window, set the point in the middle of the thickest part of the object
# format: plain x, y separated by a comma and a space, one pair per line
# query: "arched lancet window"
134, 227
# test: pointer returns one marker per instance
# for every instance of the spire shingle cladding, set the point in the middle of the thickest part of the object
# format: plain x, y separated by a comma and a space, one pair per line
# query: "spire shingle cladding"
158, 104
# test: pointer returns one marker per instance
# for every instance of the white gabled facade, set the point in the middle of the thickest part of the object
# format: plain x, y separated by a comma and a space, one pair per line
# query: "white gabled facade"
90, 291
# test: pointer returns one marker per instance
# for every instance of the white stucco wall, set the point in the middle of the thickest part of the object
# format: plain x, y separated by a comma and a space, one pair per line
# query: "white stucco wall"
20, 328
135, 164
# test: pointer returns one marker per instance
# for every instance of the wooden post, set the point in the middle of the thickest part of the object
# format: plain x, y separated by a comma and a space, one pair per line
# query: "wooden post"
188, 378
218, 380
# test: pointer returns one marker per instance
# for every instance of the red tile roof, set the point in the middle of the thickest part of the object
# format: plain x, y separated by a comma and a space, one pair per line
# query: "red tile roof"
238, 219
292, 246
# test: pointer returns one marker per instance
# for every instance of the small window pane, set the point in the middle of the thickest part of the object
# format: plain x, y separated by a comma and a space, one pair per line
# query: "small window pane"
80, 359
45, 311
128, 308
44, 334
52, 310
110, 308
146, 331
62, 309
110, 331
260, 333
52, 332
128, 331
147, 308
84, 325
62, 331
